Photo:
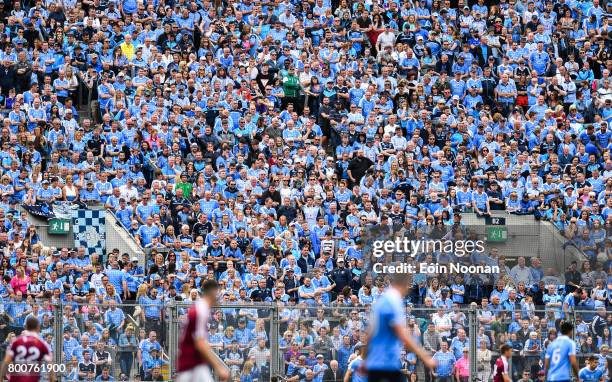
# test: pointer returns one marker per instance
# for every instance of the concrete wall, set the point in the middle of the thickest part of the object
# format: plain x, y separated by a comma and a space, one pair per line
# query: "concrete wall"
57, 241
528, 237
116, 236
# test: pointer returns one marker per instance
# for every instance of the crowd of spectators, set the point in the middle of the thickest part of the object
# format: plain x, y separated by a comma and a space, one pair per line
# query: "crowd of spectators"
238, 139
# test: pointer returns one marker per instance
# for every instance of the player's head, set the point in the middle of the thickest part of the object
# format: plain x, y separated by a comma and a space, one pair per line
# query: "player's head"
402, 281
592, 362
567, 328
209, 290
361, 350
505, 350
32, 324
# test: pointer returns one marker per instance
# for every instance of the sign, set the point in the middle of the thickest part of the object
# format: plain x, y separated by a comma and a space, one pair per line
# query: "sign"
493, 220
327, 246
497, 234
58, 227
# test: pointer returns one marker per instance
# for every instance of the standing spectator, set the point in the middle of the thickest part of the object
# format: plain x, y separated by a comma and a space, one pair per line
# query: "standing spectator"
462, 367
116, 320
101, 358
445, 364
261, 354
483, 362
20, 281
86, 365
128, 345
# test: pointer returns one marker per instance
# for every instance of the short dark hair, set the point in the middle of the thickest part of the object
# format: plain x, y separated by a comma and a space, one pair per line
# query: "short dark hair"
32, 323
209, 287
566, 327
578, 290
504, 348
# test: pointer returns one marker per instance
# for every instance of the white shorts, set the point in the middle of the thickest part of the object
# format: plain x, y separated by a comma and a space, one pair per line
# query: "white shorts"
199, 373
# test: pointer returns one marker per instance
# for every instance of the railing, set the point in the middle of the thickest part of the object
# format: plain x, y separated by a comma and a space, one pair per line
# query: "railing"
116, 239
277, 340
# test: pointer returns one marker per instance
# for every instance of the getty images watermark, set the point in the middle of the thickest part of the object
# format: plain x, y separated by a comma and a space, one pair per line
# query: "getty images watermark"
456, 255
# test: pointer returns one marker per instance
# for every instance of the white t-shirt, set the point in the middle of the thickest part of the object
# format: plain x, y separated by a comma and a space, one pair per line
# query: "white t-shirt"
440, 322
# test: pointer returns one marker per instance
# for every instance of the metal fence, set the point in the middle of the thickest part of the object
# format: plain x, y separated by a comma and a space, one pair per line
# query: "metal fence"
271, 340
530, 332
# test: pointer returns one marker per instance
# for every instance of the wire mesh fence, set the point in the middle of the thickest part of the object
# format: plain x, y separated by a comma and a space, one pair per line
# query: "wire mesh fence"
269, 341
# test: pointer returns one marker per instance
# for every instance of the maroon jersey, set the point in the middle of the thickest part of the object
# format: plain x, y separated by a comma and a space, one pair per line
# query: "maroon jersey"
501, 368
195, 327
28, 349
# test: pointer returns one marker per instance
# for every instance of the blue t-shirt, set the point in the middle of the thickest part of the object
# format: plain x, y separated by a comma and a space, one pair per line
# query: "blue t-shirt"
384, 347
147, 233
558, 354
588, 375
445, 363
357, 375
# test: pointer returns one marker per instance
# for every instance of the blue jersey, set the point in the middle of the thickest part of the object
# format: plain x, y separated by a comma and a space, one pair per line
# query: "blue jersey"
445, 363
480, 200
384, 348
588, 375
557, 354
357, 374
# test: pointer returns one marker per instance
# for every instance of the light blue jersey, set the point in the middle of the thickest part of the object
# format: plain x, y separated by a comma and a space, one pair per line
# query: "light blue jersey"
557, 354
357, 373
384, 347
588, 375
445, 363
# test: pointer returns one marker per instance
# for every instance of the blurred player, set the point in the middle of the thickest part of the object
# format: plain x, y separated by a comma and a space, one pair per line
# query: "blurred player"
561, 356
30, 350
355, 371
388, 334
590, 373
502, 365
196, 356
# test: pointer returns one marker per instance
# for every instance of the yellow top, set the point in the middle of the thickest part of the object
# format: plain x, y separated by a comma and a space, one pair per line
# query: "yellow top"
128, 50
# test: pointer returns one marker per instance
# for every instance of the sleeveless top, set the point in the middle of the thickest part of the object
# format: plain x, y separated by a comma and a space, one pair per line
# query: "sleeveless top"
71, 193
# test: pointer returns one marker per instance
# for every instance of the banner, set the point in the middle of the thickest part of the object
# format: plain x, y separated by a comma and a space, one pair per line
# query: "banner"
89, 230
